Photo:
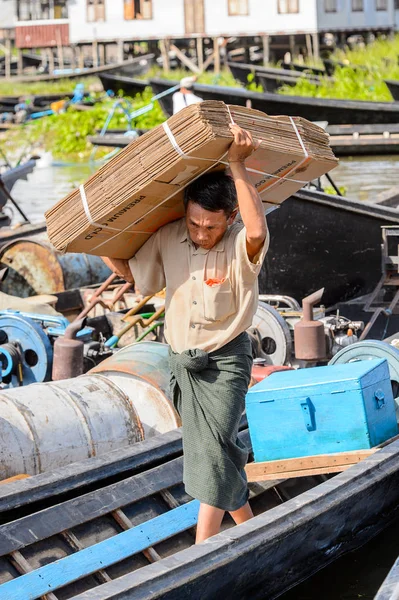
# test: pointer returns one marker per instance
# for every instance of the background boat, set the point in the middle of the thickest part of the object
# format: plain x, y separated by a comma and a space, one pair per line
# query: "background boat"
313, 109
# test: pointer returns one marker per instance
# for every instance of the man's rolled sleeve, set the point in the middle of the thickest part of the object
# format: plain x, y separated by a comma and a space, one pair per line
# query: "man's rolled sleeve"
249, 269
147, 267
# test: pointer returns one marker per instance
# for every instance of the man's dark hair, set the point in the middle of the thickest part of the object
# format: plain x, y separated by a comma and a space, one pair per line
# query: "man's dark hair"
213, 191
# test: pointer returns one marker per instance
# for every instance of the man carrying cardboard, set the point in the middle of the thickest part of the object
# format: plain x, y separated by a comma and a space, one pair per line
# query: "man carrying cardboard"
209, 266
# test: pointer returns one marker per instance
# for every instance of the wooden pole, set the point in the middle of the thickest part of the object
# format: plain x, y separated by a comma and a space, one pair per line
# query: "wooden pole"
73, 57
101, 54
81, 59
292, 47
316, 53
20, 64
184, 59
120, 51
164, 46
309, 46
200, 54
266, 48
216, 55
94, 48
50, 60
60, 50
8, 57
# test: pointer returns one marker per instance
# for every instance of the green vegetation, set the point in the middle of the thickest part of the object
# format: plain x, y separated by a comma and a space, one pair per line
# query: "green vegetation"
208, 78
375, 62
65, 134
61, 86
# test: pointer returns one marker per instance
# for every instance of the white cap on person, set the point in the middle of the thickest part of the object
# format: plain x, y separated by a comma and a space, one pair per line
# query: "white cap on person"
187, 82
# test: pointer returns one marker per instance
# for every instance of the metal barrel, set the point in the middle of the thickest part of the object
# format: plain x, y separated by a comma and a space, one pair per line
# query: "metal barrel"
49, 425
35, 267
142, 372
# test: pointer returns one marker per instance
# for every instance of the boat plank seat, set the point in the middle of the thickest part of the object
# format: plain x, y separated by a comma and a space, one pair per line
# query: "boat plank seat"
99, 556
305, 466
365, 129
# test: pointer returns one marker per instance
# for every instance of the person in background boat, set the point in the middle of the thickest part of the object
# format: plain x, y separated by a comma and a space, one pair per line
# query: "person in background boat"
185, 96
209, 265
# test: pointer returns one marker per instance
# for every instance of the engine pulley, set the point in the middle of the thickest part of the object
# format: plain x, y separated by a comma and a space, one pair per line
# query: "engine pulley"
25, 351
271, 335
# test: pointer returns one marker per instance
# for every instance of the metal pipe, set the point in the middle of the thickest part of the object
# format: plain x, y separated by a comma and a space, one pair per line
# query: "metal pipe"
95, 298
121, 401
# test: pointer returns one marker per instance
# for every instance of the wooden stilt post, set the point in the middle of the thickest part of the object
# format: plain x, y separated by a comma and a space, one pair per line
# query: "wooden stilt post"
81, 58
292, 47
200, 53
101, 54
20, 64
266, 47
60, 50
94, 48
216, 55
73, 57
50, 60
164, 46
8, 57
316, 53
309, 46
120, 51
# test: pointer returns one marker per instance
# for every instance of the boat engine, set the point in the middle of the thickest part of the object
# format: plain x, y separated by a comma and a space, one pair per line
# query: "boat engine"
272, 331
27, 347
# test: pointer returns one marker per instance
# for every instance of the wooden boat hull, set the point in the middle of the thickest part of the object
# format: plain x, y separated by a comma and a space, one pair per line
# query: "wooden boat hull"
128, 85
313, 109
54, 515
393, 87
312, 236
276, 550
389, 589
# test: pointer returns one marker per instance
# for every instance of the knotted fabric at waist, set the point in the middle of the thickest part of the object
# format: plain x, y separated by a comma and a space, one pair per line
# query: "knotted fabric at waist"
197, 360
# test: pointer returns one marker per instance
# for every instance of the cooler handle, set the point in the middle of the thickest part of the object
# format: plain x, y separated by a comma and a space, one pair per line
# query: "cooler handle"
379, 398
308, 411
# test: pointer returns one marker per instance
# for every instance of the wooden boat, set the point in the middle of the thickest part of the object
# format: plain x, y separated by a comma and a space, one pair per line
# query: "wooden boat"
129, 85
389, 589
303, 68
272, 83
270, 79
314, 109
122, 527
134, 66
344, 144
393, 87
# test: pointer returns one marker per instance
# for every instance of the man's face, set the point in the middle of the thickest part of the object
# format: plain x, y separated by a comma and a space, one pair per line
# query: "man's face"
206, 228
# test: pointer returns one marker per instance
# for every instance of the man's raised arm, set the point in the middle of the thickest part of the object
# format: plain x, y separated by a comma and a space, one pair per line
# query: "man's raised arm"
249, 202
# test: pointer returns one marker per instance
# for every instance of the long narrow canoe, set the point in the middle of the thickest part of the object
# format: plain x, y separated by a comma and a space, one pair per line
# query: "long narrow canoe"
313, 109
130, 534
134, 66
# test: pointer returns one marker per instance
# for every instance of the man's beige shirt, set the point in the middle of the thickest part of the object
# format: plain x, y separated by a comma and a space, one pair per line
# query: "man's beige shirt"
199, 315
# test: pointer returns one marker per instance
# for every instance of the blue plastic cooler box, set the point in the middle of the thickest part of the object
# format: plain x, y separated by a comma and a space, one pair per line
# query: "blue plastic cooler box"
321, 410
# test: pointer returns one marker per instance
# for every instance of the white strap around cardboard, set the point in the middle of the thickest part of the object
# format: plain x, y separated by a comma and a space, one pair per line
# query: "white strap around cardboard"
214, 162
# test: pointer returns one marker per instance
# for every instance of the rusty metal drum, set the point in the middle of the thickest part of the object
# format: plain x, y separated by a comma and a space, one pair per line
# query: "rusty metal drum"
35, 267
120, 402
142, 371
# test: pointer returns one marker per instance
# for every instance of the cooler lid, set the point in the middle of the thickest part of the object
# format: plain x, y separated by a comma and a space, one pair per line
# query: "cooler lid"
337, 378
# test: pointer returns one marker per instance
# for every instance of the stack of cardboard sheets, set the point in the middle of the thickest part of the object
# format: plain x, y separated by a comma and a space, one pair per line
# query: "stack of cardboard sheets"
142, 187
